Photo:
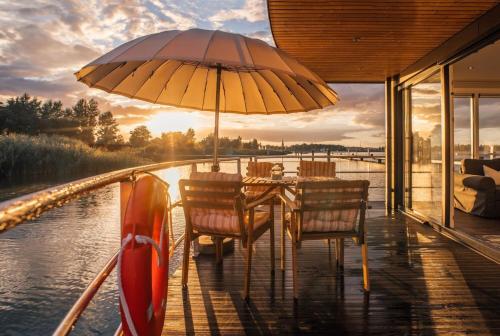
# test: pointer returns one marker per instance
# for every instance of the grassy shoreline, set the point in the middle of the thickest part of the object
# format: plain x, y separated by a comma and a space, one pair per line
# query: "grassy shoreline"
42, 155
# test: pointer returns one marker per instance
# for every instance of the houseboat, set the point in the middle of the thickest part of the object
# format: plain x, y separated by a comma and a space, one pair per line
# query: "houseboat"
423, 261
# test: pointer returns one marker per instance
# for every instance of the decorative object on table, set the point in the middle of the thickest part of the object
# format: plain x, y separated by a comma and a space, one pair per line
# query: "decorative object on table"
277, 172
258, 169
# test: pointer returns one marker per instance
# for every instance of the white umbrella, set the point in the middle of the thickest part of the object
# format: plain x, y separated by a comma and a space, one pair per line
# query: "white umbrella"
209, 71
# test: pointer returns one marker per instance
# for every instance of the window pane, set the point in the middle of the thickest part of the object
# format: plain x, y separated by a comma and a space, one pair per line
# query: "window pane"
489, 127
426, 148
462, 134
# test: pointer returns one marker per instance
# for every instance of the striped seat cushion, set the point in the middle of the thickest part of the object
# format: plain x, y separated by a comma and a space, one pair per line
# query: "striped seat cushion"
219, 221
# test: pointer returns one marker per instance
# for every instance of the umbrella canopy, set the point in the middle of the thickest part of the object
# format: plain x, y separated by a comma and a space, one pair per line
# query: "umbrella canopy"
209, 71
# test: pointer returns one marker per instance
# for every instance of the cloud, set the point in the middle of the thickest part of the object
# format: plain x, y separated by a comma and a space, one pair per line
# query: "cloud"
43, 42
34, 52
364, 102
251, 11
263, 35
55, 89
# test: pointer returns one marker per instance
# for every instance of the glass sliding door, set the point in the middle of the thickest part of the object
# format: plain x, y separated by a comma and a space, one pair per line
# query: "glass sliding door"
426, 148
462, 111
489, 127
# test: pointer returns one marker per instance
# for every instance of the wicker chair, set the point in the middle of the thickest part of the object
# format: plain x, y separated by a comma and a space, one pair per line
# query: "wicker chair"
215, 206
259, 169
316, 168
333, 209
322, 169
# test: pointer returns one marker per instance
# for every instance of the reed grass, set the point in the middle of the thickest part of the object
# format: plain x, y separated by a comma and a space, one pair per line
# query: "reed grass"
43, 155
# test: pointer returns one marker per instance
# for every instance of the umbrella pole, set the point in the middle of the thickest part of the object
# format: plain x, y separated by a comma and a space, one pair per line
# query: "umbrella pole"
215, 166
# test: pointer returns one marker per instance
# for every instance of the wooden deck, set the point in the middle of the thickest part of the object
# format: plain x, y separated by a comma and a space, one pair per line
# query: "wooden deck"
422, 283
485, 229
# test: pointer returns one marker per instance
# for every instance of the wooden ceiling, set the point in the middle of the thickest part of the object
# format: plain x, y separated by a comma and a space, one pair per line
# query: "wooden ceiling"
367, 40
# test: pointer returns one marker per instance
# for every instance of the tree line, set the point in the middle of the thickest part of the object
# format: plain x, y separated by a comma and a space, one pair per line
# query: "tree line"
86, 122
83, 121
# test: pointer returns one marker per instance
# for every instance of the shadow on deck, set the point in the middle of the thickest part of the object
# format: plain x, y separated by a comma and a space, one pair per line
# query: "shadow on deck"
422, 283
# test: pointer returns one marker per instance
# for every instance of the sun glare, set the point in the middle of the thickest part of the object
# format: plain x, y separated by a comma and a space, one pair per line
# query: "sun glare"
173, 121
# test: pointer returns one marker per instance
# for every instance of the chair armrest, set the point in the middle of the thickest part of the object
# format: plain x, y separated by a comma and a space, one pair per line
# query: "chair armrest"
259, 201
476, 182
288, 202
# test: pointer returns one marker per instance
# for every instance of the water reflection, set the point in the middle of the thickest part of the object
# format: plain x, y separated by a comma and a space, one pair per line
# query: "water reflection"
45, 264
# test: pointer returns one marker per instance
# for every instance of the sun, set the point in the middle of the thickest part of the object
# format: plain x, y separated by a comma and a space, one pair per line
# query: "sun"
172, 121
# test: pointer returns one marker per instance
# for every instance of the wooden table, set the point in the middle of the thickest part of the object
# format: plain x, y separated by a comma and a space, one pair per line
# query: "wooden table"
267, 181
286, 183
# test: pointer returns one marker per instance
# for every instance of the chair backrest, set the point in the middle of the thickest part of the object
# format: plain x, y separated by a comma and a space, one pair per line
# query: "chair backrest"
331, 205
213, 203
259, 169
316, 168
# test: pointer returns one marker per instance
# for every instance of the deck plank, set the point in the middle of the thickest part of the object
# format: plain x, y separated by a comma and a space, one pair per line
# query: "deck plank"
422, 283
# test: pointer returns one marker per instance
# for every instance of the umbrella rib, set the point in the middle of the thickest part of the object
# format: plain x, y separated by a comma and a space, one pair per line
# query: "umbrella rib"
147, 78
166, 83
133, 45
260, 93
208, 45
307, 93
187, 86
98, 66
283, 55
205, 90
223, 88
251, 57
127, 76
243, 93
109, 73
166, 44
276, 93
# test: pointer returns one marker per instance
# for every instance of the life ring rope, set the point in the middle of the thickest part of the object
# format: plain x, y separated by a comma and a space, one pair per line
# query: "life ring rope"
140, 239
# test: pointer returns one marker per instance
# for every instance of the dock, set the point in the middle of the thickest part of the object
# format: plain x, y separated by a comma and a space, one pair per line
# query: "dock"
422, 283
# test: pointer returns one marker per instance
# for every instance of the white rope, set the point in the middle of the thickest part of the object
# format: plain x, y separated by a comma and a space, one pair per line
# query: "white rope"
140, 240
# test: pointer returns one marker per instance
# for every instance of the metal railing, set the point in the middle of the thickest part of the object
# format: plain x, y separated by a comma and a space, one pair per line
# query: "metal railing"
21, 209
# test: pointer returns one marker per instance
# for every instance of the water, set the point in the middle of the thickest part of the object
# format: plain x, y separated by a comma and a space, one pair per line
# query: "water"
45, 264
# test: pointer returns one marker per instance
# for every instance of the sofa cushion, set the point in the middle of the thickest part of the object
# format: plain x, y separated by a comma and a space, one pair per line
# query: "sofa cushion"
493, 173
475, 166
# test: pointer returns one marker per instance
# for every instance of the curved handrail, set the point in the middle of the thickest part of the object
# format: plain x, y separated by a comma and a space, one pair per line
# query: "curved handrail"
20, 209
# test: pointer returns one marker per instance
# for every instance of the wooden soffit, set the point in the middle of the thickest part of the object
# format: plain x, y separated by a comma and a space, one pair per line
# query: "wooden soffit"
367, 40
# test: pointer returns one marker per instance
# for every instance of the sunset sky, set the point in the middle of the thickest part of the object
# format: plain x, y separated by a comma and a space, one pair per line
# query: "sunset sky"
42, 43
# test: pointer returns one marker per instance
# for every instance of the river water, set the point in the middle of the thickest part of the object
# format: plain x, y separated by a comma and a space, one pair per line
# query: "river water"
45, 264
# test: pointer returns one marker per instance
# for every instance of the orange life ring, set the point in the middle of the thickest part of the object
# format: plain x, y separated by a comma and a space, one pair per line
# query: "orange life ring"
144, 257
